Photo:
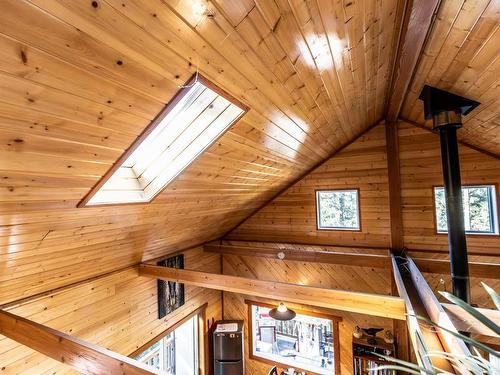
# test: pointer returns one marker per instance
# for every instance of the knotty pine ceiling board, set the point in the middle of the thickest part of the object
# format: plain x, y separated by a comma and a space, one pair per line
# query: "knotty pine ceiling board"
80, 80
461, 55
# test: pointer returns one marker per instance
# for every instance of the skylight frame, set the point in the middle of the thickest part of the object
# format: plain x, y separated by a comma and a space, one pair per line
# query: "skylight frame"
178, 97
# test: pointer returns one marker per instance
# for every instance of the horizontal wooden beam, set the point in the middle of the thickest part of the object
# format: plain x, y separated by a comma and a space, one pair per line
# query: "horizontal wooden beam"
338, 256
363, 303
85, 357
320, 256
465, 322
476, 269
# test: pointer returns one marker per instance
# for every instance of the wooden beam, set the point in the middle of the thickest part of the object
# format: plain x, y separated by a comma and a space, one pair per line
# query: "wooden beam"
338, 255
418, 21
82, 356
400, 328
363, 303
394, 182
436, 312
476, 269
422, 337
465, 322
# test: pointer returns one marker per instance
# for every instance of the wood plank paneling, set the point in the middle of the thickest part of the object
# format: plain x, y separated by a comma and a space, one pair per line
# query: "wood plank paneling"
291, 217
80, 80
118, 311
420, 160
461, 56
318, 274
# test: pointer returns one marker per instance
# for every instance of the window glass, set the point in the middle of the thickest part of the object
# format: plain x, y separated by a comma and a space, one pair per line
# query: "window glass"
305, 342
338, 209
479, 204
183, 130
176, 353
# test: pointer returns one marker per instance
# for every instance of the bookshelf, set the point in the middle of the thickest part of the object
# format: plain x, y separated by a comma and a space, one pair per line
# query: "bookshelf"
365, 361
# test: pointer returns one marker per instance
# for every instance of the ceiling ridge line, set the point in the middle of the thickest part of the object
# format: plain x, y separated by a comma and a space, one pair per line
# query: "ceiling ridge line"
303, 175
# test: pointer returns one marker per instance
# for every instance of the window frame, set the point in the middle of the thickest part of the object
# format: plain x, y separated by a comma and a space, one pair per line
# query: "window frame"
179, 95
200, 352
494, 205
335, 328
317, 206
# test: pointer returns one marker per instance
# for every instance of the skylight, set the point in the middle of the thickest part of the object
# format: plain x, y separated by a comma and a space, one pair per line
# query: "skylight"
191, 122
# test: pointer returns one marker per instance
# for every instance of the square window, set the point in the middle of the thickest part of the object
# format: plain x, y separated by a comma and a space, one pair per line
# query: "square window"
338, 209
479, 205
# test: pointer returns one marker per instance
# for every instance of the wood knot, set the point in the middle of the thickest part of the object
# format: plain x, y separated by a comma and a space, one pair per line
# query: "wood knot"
24, 58
95, 4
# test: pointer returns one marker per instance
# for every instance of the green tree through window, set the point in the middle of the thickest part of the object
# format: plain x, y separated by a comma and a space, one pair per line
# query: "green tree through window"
479, 204
338, 209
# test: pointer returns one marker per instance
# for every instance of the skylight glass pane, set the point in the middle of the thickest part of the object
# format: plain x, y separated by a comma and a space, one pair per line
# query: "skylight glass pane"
187, 129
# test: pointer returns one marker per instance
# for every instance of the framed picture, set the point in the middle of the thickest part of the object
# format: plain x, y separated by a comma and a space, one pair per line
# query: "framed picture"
170, 293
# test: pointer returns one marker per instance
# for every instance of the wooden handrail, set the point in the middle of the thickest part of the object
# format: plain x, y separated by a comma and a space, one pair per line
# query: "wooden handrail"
81, 355
423, 338
436, 312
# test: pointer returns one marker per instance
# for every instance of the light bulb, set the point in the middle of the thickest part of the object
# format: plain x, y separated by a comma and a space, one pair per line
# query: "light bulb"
282, 308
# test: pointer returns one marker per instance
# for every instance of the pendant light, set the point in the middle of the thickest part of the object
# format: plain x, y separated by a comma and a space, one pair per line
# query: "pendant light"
282, 313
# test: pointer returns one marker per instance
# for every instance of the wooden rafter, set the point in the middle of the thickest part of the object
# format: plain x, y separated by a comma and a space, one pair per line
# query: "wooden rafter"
418, 21
363, 303
81, 355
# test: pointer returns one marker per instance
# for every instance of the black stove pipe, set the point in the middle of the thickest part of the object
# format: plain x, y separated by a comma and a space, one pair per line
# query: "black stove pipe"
446, 111
456, 230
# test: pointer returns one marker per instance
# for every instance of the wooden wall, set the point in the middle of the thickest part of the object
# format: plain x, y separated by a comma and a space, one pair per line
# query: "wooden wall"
76, 90
420, 165
117, 311
291, 217
316, 274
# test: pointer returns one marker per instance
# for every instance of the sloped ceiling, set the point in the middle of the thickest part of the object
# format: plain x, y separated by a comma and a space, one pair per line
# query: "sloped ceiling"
462, 56
79, 80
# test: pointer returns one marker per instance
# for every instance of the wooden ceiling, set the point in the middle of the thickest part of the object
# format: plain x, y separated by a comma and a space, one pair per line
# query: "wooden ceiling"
79, 81
461, 55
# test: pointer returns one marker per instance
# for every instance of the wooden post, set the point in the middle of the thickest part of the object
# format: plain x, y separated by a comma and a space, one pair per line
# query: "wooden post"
392, 147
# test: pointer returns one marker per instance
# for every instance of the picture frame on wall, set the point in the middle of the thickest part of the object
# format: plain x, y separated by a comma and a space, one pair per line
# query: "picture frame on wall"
170, 294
